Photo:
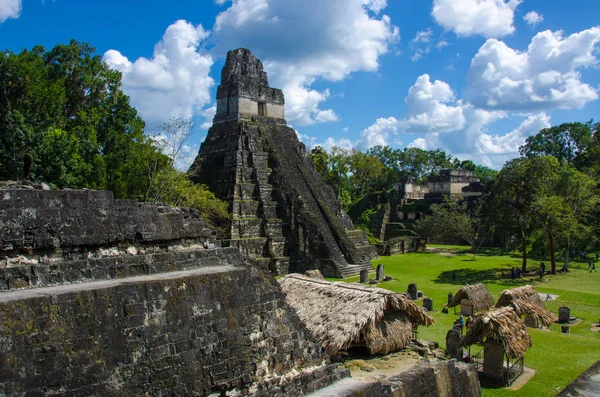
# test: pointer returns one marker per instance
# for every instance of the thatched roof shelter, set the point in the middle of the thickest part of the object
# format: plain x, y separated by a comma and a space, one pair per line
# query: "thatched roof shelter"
526, 302
503, 325
525, 293
478, 294
342, 315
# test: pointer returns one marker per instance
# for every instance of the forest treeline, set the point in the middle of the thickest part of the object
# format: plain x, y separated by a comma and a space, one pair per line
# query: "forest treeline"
64, 120
545, 201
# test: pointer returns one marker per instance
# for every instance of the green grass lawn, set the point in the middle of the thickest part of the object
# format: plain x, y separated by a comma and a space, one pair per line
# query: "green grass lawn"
557, 358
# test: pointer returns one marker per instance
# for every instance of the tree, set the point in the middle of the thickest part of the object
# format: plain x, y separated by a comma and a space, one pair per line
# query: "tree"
68, 95
515, 192
450, 220
367, 174
564, 142
64, 120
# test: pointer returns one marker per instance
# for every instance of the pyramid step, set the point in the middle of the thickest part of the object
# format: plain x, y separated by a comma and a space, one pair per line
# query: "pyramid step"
246, 228
252, 247
245, 208
123, 265
245, 191
45, 292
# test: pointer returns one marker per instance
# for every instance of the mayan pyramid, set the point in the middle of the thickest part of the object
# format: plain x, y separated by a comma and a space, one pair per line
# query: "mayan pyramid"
283, 214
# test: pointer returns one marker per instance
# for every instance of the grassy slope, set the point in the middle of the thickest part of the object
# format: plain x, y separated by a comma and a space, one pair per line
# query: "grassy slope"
557, 358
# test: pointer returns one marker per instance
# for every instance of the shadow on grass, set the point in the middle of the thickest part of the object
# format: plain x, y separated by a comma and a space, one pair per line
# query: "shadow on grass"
472, 276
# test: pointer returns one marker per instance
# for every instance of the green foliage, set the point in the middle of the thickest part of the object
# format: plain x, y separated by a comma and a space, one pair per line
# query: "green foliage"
172, 187
564, 142
451, 220
65, 121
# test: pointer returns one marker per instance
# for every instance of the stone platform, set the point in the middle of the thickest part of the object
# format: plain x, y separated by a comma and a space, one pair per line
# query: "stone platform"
103, 297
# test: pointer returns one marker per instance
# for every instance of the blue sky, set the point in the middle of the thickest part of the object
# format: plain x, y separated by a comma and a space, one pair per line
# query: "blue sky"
472, 77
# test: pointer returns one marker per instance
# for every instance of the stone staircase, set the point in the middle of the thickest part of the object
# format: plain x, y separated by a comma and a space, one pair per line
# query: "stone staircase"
255, 228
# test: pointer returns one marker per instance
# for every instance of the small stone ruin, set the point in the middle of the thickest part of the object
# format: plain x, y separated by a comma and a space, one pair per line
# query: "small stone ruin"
453, 344
428, 304
413, 291
380, 272
564, 314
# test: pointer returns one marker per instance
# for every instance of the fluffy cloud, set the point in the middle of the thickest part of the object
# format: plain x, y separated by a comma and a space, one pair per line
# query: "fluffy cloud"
509, 143
544, 77
299, 45
431, 107
175, 82
533, 18
9, 9
489, 18
379, 133
343, 143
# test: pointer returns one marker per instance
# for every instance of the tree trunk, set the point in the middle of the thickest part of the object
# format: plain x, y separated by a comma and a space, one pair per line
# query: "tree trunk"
566, 264
524, 248
551, 246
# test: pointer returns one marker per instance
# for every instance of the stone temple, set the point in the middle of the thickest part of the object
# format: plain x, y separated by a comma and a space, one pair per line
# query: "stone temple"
284, 216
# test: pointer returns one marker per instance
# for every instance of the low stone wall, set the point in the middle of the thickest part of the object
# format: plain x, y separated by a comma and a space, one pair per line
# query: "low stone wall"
185, 333
437, 378
60, 221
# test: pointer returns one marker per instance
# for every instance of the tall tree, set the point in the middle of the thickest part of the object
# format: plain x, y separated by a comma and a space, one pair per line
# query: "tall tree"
68, 96
516, 190
452, 220
564, 142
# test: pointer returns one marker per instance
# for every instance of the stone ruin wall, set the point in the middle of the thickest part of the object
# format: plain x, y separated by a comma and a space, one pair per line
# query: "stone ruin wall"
106, 297
429, 378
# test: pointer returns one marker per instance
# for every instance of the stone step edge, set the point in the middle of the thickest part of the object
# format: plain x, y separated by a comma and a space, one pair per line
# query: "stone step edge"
104, 284
67, 272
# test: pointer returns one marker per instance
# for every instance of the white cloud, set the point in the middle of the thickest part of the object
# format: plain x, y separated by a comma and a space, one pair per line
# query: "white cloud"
533, 18
309, 141
441, 44
302, 41
174, 82
343, 143
423, 36
346, 129
208, 115
421, 44
544, 77
431, 107
489, 18
326, 116
378, 134
509, 143
9, 9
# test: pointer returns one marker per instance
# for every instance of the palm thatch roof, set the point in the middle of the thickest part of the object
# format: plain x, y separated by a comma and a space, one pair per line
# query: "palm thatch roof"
525, 293
502, 324
541, 316
478, 294
341, 315
526, 301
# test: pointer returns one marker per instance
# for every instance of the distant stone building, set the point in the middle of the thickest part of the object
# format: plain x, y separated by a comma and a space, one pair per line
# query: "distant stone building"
283, 214
455, 184
409, 202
